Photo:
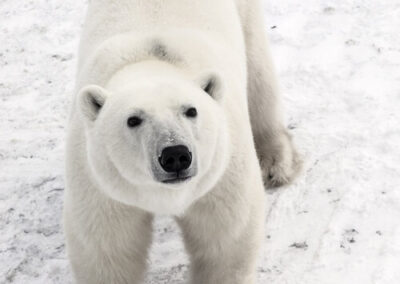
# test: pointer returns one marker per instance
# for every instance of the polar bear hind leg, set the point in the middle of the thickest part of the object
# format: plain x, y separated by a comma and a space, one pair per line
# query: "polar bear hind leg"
278, 158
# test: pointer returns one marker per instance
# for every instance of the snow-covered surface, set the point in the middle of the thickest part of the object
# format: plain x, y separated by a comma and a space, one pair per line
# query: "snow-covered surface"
338, 62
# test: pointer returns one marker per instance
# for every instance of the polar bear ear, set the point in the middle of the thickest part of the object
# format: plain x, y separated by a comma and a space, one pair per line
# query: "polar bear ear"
211, 83
91, 99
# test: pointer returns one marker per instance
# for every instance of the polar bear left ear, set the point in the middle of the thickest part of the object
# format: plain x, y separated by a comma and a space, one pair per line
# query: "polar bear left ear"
91, 99
211, 83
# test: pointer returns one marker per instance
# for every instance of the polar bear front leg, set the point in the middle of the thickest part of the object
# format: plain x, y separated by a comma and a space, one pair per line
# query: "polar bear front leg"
222, 245
108, 243
279, 160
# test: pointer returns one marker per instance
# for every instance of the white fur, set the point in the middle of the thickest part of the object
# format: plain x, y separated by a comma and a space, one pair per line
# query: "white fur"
155, 58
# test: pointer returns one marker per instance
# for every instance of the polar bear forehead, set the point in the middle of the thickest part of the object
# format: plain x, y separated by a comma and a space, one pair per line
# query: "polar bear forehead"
153, 83
156, 96
145, 72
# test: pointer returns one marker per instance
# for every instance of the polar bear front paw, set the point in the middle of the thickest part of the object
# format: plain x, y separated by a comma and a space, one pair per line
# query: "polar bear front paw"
280, 162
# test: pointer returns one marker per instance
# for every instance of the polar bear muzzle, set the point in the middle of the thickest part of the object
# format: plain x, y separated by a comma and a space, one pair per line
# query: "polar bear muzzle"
175, 165
175, 159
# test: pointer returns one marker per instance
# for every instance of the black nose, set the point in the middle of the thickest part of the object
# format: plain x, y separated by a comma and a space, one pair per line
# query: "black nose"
175, 158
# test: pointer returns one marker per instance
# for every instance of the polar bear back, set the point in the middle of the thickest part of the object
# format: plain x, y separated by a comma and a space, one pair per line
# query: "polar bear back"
107, 18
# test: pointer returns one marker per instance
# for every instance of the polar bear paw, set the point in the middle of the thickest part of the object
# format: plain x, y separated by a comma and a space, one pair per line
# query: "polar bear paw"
280, 162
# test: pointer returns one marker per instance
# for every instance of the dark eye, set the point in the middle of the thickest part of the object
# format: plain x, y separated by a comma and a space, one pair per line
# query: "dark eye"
134, 121
191, 112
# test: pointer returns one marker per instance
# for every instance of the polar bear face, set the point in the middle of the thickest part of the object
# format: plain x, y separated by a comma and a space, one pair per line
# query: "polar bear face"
156, 143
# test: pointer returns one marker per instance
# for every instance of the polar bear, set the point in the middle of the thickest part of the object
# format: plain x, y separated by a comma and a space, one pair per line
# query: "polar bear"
169, 97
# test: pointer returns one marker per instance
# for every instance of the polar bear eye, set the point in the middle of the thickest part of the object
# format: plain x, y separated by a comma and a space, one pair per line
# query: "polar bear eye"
134, 121
191, 112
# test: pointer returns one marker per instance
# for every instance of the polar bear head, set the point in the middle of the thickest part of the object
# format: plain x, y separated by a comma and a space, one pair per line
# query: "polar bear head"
156, 138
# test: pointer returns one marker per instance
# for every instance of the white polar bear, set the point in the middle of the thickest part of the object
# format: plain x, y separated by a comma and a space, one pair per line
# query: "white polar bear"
161, 125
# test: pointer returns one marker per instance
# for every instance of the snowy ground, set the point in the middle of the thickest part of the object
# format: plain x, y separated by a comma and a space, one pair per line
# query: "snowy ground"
339, 67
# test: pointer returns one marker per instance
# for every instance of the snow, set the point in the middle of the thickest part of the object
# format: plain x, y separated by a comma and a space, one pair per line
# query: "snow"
338, 63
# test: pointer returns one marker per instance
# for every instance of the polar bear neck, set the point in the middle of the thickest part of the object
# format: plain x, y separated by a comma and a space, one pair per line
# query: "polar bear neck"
129, 48
120, 51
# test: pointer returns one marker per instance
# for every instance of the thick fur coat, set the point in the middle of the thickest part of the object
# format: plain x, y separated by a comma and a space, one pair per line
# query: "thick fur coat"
150, 61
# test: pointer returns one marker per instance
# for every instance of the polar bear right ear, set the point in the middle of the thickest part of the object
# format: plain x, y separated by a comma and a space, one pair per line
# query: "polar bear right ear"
91, 99
212, 84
